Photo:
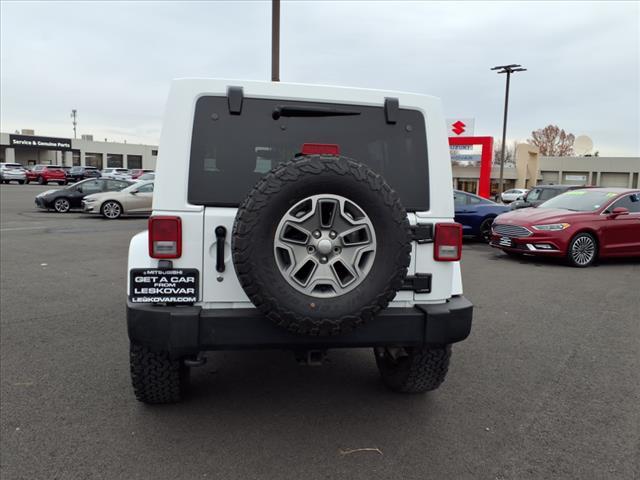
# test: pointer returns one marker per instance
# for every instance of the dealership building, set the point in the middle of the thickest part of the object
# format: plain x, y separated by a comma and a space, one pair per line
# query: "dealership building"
528, 170
536, 170
29, 149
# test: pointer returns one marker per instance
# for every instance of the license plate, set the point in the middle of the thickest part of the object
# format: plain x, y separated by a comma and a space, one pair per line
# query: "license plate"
173, 285
505, 242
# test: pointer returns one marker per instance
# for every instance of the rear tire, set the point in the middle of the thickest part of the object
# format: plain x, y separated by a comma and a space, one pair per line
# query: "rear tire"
41, 181
413, 370
21, 182
156, 378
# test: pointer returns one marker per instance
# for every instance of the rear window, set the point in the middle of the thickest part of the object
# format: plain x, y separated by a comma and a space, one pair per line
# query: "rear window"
230, 153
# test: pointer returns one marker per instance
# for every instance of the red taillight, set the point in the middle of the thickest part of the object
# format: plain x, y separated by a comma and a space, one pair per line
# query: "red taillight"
320, 149
447, 245
165, 237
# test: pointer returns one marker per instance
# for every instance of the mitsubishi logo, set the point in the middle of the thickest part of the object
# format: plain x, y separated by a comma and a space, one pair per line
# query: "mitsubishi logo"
458, 127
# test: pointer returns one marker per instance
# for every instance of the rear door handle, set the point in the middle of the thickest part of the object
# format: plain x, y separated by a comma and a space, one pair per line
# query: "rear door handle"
221, 233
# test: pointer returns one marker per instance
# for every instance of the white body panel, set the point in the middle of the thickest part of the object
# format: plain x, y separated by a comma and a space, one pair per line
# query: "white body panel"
223, 290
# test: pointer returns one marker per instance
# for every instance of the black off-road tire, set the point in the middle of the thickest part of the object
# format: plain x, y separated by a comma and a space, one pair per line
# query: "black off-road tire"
256, 223
420, 370
156, 378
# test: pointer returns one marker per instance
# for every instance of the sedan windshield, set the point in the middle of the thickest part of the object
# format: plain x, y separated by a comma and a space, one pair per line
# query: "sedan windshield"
580, 200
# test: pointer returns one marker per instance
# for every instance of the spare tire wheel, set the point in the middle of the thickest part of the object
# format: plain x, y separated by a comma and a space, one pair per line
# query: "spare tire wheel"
321, 244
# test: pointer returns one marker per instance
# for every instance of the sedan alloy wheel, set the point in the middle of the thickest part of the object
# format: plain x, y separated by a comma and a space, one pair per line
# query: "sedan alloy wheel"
61, 205
111, 210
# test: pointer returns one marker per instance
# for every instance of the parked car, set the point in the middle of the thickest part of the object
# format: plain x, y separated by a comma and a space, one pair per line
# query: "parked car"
540, 194
315, 254
64, 199
146, 176
116, 173
12, 172
476, 214
136, 199
513, 195
81, 173
137, 172
579, 225
44, 174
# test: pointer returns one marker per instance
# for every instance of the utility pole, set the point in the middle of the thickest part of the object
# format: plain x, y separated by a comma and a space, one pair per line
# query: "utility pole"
74, 116
275, 40
508, 69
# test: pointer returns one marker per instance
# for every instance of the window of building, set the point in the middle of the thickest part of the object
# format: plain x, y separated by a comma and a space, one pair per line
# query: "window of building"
154, 153
114, 160
93, 160
75, 158
134, 161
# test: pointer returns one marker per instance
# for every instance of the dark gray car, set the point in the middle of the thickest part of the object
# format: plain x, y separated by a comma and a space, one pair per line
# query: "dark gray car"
541, 194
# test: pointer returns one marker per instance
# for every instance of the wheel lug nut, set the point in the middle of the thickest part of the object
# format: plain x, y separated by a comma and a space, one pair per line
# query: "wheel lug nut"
323, 259
332, 234
317, 234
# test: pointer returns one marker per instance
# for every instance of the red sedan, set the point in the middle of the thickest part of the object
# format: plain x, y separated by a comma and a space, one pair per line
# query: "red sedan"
579, 225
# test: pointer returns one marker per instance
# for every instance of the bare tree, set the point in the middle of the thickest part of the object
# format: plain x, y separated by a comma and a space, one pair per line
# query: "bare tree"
553, 142
509, 153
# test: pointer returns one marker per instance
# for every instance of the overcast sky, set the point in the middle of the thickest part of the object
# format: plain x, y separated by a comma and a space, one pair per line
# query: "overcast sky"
114, 61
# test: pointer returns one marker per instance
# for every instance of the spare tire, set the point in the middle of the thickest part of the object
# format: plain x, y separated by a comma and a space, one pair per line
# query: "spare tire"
321, 244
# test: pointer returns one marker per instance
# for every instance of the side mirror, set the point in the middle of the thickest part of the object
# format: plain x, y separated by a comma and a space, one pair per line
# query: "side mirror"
616, 212
133, 192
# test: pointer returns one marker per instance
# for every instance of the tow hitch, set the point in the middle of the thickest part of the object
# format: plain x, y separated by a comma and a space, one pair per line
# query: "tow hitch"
310, 358
198, 361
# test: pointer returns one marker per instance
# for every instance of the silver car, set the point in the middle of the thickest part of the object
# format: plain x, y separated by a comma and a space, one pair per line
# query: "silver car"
133, 200
12, 172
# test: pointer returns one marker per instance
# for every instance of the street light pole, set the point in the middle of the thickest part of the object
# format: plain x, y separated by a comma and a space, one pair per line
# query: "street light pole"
508, 69
275, 40
74, 116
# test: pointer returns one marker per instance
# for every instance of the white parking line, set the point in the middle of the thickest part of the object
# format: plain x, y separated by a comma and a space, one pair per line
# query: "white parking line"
21, 228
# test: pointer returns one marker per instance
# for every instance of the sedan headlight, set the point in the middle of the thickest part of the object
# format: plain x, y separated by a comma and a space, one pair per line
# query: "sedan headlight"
89, 200
552, 226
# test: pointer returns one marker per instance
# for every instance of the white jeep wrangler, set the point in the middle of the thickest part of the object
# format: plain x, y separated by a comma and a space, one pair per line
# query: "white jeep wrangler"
297, 217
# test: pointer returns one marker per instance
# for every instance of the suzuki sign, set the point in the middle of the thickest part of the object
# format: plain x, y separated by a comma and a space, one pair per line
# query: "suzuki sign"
461, 127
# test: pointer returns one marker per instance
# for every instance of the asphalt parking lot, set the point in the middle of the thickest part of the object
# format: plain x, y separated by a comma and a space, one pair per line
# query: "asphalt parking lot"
547, 385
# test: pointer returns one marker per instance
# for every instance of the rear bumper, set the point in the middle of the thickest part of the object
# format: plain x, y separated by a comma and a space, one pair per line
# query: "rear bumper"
189, 330
13, 176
